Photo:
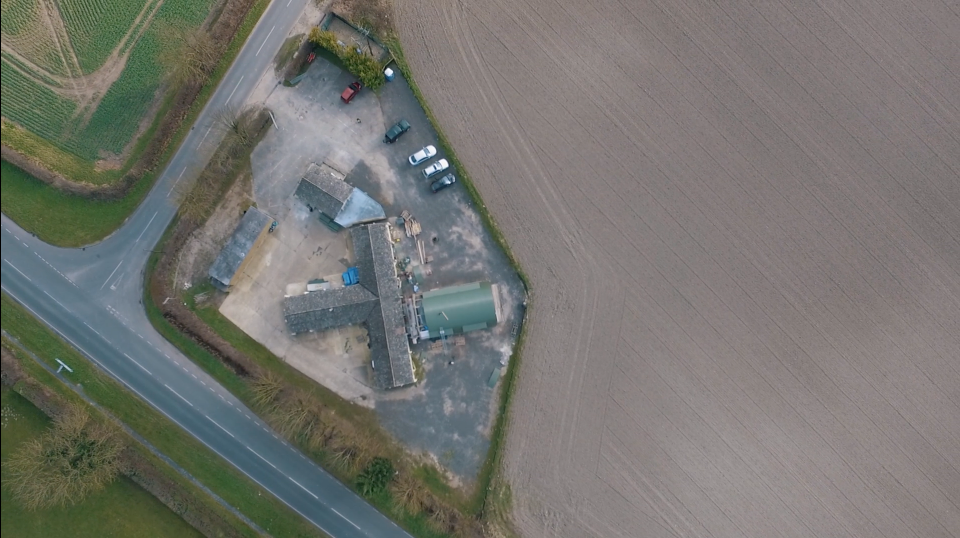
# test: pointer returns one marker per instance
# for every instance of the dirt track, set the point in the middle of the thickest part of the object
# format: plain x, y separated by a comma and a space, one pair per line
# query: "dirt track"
743, 230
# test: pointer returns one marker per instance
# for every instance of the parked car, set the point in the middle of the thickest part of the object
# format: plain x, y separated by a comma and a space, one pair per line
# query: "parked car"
352, 90
423, 155
396, 131
443, 182
435, 168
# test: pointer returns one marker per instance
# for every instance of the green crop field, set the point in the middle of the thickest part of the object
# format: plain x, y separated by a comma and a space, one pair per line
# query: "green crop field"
121, 509
82, 74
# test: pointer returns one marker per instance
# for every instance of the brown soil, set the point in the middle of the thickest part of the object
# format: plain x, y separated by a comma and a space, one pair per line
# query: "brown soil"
741, 223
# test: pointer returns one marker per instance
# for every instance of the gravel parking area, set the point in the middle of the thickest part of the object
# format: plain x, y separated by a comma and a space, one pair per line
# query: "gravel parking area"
449, 413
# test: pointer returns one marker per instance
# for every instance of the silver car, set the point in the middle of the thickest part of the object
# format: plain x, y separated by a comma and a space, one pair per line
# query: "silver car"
435, 168
421, 156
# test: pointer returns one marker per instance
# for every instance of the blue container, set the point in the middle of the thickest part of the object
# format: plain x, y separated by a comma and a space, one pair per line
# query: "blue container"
351, 276
388, 74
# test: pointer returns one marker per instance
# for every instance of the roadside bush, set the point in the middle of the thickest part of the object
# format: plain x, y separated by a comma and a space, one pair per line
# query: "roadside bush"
76, 457
375, 477
364, 66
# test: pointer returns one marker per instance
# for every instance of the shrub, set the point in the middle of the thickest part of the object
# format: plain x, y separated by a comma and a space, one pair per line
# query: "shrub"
375, 477
364, 66
77, 456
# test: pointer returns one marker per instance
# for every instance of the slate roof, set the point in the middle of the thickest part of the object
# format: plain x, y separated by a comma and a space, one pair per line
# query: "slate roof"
322, 310
323, 191
376, 301
238, 246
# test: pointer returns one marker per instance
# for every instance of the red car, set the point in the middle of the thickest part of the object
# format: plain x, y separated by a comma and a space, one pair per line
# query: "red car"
352, 90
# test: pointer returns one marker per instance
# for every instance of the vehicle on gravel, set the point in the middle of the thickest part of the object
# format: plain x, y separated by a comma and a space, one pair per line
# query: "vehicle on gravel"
396, 131
352, 90
423, 155
435, 168
443, 182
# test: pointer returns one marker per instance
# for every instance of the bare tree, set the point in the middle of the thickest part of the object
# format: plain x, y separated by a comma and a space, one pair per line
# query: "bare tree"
61, 466
239, 124
191, 56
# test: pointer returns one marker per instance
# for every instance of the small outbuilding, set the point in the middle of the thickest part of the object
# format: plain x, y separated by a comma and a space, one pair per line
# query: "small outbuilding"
460, 309
338, 204
248, 235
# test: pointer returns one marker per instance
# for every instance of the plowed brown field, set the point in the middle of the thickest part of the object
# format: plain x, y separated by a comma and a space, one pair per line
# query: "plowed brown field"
741, 220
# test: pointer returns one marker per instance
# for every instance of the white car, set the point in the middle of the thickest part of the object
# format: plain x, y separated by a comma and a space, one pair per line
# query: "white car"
419, 157
435, 168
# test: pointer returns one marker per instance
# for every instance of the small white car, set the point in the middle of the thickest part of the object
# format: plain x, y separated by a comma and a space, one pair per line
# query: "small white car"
419, 157
435, 168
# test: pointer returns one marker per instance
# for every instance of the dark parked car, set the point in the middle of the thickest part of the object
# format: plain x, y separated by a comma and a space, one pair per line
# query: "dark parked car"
396, 131
352, 90
443, 182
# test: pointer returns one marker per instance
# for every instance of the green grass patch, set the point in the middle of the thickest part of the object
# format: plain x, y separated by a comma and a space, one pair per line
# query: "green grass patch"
95, 30
214, 472
57, 217
72, 221
120, 509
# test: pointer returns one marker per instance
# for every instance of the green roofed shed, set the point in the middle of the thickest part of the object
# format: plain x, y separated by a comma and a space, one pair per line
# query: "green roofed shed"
461, 309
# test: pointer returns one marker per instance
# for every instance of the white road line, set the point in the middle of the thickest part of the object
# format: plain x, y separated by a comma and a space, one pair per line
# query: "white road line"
248, 416
312, 494
111, 274
234, 89
204, 382
17, 270
221, 427
178, 395
288, 2
177, 181
26, 245
338, 513
54, 300
92, 329
194, 375
140, 365
261, 457
204, 136
156, 406
145, 228
265, 40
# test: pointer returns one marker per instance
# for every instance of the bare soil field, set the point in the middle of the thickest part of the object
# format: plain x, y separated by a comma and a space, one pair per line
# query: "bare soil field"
741, 222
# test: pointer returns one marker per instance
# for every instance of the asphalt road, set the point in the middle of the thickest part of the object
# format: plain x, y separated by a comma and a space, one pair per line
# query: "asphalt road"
91, 297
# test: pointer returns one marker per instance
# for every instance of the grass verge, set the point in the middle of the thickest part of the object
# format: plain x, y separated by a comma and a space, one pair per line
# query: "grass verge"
211, 470
121, 509
72, 221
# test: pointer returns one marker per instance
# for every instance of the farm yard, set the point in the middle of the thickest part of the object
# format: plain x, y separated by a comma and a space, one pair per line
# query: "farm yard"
83, 74
741, 225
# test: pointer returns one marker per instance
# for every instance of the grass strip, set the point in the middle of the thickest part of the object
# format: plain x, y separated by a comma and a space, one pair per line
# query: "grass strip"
210, 469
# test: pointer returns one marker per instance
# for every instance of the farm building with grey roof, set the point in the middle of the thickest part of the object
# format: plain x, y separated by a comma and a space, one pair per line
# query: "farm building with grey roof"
248, 234
376, 302
337, 203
